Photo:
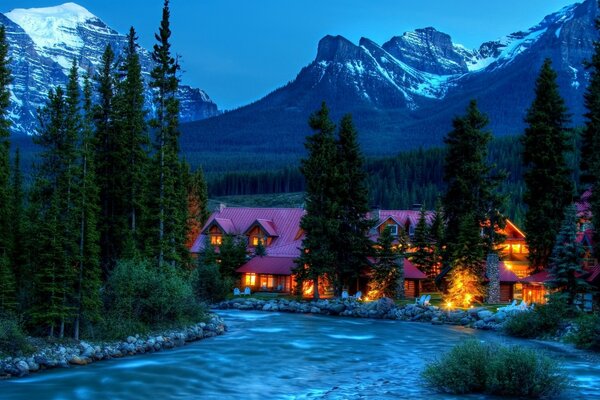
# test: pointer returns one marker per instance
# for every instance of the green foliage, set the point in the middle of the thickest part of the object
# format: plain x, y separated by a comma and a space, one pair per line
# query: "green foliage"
471, 197
8, 300
587, 333
319, 223
567, 259
549, 186
168, 213
209, 286
232, 255
141, 295
12, 337
475, 367
544, 320
388, 270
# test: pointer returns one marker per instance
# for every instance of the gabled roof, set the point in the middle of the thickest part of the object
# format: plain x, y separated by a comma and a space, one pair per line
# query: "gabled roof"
284, 222
401, 216
540, 277
269, 265
583, 205
410, 270
266, 225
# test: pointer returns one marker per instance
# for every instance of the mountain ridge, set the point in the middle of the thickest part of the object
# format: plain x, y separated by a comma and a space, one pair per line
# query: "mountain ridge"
404, 93
42, 45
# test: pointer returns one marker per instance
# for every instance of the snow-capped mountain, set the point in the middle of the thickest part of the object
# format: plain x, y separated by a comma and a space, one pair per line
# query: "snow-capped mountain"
43, 43
404, 93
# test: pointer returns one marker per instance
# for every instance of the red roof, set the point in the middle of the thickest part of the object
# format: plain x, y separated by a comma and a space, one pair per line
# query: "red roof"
507, 275
410, 270
540, 277
282, 224
269, 265
594, 273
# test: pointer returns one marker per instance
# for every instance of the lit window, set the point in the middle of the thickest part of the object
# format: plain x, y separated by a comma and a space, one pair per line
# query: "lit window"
216, 240
250, 279
393, 229
256, 240
516, 248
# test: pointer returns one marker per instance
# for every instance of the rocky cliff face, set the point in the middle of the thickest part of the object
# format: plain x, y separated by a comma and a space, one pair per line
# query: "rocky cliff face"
43, 43
404, 93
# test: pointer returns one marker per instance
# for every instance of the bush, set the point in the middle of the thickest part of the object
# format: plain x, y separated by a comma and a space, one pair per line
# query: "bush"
587, 333
208, 284
474, 367
142, 297
12, 338
542, 321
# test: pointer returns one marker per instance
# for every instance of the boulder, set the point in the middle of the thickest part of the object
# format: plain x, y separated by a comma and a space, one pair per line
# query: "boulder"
22, 368
484, 314
76, 360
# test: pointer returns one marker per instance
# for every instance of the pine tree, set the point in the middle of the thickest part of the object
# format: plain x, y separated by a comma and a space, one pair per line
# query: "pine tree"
472, 189
232, 255
469, 250
567, 260
319, 223
109, 164
388, 270
549, 188
422, 255
88, 301
260, 249
19, 232
130, 122
590, 156
437, 233
7, 285
170, 207
197, 200
464, 288
353, 246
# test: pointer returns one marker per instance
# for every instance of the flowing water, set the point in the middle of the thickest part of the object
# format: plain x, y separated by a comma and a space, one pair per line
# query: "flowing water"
284, 356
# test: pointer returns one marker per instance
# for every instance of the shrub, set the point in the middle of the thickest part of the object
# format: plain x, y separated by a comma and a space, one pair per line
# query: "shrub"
142, 297
462, 370
208, 284
474, 367
542, 321
522, 372
12, 338
587, 333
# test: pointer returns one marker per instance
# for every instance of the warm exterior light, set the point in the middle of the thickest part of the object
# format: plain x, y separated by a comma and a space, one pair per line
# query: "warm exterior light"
463, 289
448, 304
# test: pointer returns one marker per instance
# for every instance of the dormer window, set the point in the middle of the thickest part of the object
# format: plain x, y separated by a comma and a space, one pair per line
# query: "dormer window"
256, 240
216, 240
393, 229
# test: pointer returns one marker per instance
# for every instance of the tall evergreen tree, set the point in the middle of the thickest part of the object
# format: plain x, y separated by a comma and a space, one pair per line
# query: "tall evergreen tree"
421, 257
319, 223
19, 233
5, 203
436, 234
567, 260
109, 164
471, 187
87, 296
197, 200
130, 122
549, 188
232, 255
590, 156
353, 246
171, 206
51, 199
388, 270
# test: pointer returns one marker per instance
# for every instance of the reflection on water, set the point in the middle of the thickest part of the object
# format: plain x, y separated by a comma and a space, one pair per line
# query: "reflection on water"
282, 356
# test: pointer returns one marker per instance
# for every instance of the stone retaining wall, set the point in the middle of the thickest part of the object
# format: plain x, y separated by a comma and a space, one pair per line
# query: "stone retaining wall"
477, 317
63, 356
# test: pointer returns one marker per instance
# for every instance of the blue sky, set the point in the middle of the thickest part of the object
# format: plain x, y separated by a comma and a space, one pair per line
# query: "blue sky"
240, 50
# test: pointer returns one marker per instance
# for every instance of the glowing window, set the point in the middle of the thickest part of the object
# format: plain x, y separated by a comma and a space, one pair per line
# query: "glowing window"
216, 240
250, 279
516, 248
256, 240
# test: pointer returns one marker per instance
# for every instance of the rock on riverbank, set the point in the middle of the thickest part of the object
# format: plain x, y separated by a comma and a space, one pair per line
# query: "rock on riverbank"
83, 353
478, 318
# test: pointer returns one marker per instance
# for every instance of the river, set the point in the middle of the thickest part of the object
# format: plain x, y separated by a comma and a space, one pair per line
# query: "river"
284, 356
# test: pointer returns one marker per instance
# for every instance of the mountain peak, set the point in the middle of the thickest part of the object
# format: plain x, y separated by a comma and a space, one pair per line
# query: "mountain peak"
336, 48
64, 12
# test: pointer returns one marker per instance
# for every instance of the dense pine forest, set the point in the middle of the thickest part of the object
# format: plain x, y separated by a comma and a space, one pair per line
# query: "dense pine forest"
413, 177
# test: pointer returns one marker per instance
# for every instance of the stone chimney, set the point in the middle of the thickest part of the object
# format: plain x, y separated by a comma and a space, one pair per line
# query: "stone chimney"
492, 271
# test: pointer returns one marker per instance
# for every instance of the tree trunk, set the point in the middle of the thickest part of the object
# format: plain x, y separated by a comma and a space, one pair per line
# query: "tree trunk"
400, 281
316, 288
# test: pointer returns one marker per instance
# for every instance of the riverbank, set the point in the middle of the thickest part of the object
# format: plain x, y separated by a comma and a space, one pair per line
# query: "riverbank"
476, 317
56, 355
